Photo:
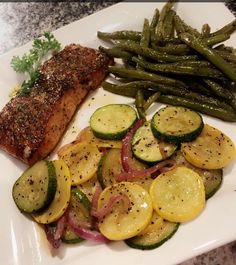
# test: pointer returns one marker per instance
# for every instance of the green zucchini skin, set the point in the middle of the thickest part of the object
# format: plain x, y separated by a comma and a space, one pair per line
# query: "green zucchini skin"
189, 124
35, 189
111, 122
78, 200
110, 166
212, 178
154, 239
146, 147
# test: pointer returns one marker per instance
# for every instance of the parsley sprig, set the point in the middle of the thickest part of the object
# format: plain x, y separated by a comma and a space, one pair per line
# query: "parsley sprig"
29, 63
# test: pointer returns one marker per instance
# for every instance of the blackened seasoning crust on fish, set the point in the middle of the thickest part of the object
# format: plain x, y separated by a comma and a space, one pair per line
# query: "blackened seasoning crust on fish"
31, 126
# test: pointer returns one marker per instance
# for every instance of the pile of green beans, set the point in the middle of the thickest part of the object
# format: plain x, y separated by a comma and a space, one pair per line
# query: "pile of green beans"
173, 63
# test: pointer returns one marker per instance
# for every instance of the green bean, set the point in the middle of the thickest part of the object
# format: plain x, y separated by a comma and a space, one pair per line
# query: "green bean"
168, 25
206, 30
139, 102
122, 34
217, 89
152, 54
228, 56
123, 90
224, 93
116, 53
132, 87
222, 47
145, 39
196, 63
164, 89
142, 75
180, 69
213, 40
211, 110
164, 11
182, 27
153, 24
210, 54
177, 49
227, 29
196, 85
207, 108
150, 100
179, 26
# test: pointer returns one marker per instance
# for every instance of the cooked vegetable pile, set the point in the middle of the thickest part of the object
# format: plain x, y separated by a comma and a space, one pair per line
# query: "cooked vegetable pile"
127, 178
186, 67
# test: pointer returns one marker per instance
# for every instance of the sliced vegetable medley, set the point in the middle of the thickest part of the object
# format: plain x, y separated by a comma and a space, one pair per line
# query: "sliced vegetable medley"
138, 189
128, 178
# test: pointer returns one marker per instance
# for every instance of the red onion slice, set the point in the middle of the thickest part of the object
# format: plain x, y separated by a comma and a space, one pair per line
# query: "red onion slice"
107, 207
86, 233
96, 195
50, 232
61, 224
126, 152
163, 166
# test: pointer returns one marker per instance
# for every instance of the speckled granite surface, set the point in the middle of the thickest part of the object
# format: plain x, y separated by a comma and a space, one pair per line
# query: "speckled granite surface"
21, 22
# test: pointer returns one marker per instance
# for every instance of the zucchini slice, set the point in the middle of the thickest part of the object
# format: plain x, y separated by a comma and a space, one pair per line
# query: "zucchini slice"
82, 160
212, 178
176, 124
112, 121
62, 197
110, 166
35, 188
121, 224
80, 208
156, 234
178, 195
146, 147
211, 150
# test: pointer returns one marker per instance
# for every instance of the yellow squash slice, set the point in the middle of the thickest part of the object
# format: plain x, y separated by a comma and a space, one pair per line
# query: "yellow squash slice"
62, 196
156, 223
82, 160
178, 195
86, 135
121, 224
211, 150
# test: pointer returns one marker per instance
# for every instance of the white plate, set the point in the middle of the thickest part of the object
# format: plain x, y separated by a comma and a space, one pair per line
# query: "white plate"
22, 240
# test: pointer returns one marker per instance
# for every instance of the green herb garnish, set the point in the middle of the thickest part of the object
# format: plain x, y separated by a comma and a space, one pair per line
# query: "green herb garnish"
29, 63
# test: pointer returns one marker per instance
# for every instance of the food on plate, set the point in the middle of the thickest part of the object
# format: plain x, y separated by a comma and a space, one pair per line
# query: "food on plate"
139, 193
148, 148
31, 125
187, 67
212, 178
101, 121
82, 158
126, 177
61, 198
130, 214
178, 195
211, 150
36, 187
176, 124
156, 234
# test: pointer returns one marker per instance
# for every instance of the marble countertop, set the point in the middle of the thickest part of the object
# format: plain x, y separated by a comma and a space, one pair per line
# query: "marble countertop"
21, 22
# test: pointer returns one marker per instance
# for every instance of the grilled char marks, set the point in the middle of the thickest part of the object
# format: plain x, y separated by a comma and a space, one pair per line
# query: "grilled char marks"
31, 126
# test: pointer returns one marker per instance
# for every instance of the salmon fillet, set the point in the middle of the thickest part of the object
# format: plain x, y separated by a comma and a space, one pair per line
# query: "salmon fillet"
31, 126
